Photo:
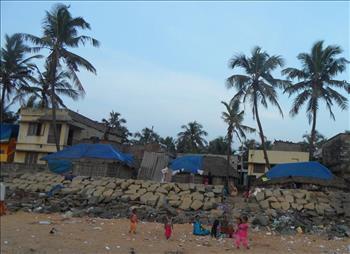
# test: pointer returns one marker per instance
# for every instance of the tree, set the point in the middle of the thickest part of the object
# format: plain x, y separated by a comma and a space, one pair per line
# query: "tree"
16, 68
233, 117
218, 145
60, 33
169, 143
257, 86
40, 93
318, 141
192, 138
147, 136
316, 82
116, 122
8, 116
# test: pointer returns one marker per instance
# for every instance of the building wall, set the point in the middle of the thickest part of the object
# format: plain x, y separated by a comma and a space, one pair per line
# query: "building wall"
256, 160
7, 150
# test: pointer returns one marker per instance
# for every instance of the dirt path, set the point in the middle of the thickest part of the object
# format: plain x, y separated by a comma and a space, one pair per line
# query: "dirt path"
22, 233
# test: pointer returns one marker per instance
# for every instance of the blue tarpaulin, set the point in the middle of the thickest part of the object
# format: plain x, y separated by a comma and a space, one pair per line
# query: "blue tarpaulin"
8, 131
188, 164
96, 151
60, 166
300, 169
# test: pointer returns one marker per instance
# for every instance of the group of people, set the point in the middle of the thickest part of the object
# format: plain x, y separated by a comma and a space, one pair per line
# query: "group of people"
240, 232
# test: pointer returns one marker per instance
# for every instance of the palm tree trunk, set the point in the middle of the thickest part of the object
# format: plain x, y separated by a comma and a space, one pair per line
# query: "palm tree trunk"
261, 133
53, 102
313, 134
229, 141
3, 98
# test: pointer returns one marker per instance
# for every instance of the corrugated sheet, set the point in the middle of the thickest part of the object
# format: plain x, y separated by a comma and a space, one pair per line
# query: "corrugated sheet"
151, 166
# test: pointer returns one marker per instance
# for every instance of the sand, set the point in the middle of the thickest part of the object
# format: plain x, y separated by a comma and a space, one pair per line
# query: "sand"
22, 233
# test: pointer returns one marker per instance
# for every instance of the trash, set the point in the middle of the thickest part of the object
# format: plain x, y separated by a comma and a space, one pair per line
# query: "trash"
86, 242
299, 230
6, 242
97, 228
118, 247
53, 231
107, 248
68, 214
44, 222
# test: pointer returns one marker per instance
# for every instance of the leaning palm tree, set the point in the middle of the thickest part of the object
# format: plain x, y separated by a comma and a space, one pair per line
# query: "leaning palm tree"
233, 117
60, 32
316, 82
192, 137
257, 86
16, 68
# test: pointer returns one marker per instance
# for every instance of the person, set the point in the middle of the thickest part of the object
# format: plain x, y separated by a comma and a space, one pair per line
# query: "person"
133, 221
168, 227
241, 234
3, 208
210, 178
214, 229
198, 228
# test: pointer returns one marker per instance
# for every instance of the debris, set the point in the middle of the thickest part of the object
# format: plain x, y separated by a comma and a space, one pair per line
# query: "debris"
6, 242
299, 230
53, 231
107, 248
44, 222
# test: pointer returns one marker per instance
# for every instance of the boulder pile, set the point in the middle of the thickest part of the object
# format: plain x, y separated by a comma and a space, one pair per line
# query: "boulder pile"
110, 196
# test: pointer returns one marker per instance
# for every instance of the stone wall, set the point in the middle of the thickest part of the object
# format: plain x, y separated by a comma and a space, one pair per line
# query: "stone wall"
111, 195
335, 203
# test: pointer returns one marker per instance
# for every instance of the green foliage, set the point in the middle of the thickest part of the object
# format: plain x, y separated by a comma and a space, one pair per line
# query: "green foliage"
146, 136
116, 122
191, 139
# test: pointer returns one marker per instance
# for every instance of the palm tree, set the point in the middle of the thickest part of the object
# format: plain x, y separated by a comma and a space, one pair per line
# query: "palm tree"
115, 122
192, 138
316, 83
169, 142
257, 86
40, 93
218, 145
318, 141
233, 117
16, 69
60, 32
147, 136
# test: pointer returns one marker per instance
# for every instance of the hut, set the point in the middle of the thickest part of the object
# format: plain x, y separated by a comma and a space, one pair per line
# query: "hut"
93, 160
152, 165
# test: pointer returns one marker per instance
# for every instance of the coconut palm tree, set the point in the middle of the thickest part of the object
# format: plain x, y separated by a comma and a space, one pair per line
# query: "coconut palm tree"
318, 141
60, 33
192, 138
147, 136
116, 122
257, 86
316, 81
233, 117
40, 93
169, 143
218, 145
16, 68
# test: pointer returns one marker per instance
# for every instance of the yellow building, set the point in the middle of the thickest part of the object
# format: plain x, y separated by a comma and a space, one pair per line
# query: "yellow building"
8, 137
36, 137
256, 160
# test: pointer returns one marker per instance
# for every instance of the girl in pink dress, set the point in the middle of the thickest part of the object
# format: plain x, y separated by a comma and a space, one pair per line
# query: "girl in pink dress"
241, 234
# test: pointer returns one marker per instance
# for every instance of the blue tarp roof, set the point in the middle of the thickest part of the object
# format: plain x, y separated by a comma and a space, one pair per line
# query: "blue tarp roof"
301, 169
8, 131
189, 164
97, 151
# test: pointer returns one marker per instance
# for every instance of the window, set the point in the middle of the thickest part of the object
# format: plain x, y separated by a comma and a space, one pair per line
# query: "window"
2, 151
259, 168
35, 129
31, 158
51, 136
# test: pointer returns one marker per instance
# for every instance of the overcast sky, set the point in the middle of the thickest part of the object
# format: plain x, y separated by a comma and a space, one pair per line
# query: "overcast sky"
164, 64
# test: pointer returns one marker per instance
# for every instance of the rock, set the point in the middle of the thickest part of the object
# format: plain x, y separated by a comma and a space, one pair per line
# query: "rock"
200, 188
174, 203
272, 199
264, 204
346, 207
218, 189
285, 206
261, 220
271, 212
153, 187
111, 185
299, 195
309, 206
260, 196
209, 194
216, 213
196, 204
276, 192
149, 199
124, 185
289, 198
275, 205
162, 190
183, 186
107, 195
141, 191
301, 201
208, 205
268, 193
186, 203
197, 196
296, 206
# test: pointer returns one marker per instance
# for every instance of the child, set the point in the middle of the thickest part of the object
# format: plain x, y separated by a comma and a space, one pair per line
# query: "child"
241, 234
214, 229
168, 227
133, 221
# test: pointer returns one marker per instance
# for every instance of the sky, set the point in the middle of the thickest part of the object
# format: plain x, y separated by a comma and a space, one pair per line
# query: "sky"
164, 64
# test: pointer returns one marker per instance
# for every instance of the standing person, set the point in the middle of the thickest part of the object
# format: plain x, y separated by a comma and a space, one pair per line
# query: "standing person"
241, 235
214, 229
3, 208
168, 226
133, 221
